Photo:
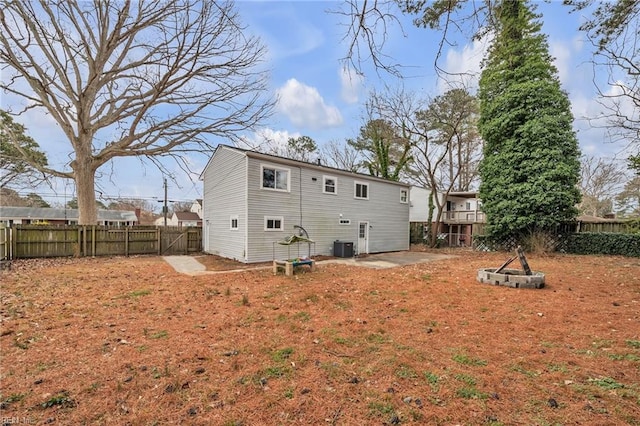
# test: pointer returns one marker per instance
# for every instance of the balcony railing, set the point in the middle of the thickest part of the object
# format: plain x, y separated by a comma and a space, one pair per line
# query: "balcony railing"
464, 216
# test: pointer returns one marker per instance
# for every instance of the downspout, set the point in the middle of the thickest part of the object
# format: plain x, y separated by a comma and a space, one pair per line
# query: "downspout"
300, 194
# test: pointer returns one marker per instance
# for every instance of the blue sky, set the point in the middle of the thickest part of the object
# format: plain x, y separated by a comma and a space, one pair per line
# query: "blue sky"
319, 99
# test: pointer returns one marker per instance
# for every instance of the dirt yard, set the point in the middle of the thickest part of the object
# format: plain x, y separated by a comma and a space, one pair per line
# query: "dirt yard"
129, 341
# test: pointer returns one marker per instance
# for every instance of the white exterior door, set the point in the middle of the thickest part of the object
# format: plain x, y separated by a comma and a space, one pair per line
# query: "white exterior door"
363, 237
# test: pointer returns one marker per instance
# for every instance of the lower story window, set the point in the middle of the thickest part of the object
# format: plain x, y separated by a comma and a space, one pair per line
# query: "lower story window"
273, 223
234, 222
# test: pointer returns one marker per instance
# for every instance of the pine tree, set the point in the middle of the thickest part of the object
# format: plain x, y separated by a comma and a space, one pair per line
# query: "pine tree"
531, 163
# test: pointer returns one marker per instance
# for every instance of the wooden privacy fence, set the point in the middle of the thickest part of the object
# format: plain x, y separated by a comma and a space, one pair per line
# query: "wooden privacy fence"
28, 241
620, 226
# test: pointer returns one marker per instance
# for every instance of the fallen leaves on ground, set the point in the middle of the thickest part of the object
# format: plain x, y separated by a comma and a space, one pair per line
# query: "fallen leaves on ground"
131, 341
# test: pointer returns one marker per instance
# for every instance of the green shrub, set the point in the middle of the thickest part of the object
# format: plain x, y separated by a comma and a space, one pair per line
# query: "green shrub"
602, 243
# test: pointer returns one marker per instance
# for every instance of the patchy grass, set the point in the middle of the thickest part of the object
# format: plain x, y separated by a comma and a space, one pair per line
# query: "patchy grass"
465, 359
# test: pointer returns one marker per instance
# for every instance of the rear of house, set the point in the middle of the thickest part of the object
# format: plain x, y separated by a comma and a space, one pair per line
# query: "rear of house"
253, 200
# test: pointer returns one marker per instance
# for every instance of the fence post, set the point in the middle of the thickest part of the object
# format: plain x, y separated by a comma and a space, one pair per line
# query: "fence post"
3, 242
93, 240
159, 235
14, 241
126, 241
84, 240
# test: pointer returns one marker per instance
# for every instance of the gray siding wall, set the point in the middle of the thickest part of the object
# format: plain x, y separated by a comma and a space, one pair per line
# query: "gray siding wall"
319, 213
225, 195
261, 203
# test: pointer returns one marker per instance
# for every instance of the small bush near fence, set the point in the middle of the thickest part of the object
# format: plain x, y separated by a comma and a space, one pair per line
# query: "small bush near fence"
602, 243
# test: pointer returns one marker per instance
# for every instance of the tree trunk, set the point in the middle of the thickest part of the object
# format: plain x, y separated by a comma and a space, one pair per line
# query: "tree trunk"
439, 205
431, 240
85, 176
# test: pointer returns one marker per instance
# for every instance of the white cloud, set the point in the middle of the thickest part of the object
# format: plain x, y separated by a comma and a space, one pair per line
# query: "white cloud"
565, 53
562, 54
305, 107
267, 140
463, 66
351, 84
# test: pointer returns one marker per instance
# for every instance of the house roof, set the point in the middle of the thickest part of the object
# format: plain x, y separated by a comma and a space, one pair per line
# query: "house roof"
464, 194
296, 163
41, 213
188, 216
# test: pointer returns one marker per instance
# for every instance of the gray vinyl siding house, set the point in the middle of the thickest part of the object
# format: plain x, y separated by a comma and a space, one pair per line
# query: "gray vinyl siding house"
252, 200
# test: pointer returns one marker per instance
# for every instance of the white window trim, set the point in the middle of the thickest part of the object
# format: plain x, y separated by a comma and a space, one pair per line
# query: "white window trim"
280, 218
275, 168
355, 185
406, 196
324, 185
344, 222
231, 219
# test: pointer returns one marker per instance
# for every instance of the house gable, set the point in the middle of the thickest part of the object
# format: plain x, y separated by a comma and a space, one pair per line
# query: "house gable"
224, 203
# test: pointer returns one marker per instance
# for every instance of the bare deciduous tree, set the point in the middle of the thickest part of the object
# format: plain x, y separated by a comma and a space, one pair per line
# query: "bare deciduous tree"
613, 28
437, 132
600, 181
446, 149
453, 120
620, 95
341, 156
129, 78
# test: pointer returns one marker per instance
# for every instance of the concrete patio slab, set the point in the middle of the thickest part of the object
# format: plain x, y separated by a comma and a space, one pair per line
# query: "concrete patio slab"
189, 265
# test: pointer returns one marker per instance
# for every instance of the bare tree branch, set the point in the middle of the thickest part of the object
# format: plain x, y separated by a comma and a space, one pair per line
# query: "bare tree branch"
369, 21
619, 96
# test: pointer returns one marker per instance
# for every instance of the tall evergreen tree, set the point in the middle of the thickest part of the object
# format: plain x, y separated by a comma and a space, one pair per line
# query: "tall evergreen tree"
531, 164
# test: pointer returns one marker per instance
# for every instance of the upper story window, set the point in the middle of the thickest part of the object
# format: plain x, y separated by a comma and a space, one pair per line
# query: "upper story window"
275, 178
404, 196
468, 205
273, 223
329, 185
233, 223
361, 190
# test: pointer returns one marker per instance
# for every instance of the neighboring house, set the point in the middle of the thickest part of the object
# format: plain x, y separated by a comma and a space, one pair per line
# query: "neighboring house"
196, 207
462, 210
463, 213
253, 200
185, 219
51, 216
190, 218
419, 199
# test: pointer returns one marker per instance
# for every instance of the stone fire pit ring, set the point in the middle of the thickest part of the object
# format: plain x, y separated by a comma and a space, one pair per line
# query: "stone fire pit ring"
515, 278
